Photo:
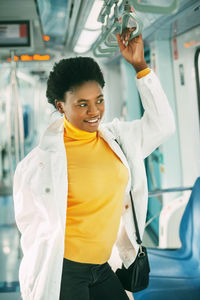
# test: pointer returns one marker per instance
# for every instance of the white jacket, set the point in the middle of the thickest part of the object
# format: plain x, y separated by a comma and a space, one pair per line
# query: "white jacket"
40, 190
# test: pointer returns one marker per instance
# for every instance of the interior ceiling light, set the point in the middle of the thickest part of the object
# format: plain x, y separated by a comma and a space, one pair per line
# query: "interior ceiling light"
91, 30
61, 14
80, 49
46, 38
26, 57
86, 39
91, 22
16, 58
41, 57
191, 44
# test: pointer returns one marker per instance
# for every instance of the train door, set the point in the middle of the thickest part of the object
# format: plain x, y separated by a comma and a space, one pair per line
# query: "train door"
185, 50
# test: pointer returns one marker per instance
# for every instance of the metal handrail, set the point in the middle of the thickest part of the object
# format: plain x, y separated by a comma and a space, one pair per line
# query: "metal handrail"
108, 37
114, 28
159, 192
173, 7
107, 30
106, 52
130, 15
18, 120
9, 131
105, 9
96, 54
127, 16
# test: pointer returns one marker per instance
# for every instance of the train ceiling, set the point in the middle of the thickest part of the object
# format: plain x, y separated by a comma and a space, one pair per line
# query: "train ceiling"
63, 20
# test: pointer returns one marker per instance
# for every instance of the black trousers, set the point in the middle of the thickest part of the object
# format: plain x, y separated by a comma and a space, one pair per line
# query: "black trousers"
82, 281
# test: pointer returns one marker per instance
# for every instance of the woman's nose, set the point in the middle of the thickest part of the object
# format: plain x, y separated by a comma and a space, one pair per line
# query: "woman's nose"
93, 110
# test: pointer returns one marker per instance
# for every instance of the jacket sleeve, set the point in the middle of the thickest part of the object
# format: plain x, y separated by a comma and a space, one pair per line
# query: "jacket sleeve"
156, 124
24, 207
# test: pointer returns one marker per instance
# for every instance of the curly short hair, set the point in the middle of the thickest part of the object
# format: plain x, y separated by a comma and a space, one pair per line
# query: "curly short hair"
70, 73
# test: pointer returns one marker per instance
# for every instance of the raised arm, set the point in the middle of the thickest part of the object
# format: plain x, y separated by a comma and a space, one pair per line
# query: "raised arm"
157, 122
133, 50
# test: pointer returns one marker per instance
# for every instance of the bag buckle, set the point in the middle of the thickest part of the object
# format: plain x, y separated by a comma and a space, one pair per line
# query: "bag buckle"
141, 252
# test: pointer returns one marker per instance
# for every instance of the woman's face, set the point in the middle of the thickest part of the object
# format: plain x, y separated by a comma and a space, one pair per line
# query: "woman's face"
84, 106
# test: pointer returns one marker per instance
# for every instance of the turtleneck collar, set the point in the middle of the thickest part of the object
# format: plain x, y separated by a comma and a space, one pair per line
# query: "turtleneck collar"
74, 133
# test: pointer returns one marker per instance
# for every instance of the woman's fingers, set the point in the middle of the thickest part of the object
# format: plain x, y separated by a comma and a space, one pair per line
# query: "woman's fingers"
120, 42
130, 30
125, 35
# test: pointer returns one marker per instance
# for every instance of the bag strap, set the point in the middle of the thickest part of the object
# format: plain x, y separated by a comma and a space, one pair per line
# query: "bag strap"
139, 241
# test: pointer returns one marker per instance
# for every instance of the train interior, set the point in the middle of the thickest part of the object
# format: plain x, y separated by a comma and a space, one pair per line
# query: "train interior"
34, 34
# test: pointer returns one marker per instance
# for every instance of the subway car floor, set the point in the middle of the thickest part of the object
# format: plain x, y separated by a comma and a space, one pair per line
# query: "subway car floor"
10, 254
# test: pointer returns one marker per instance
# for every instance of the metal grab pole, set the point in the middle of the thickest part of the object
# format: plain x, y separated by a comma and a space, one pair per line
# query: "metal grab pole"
16, 124
170, 190
20, 121
9, 118
18, 114
159, 192
148, 8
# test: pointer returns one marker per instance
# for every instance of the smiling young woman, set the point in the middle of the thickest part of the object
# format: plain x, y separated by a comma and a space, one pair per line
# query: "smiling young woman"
71, 191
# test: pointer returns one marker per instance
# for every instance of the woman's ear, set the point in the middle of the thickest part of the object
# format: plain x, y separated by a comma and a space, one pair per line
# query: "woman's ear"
59, 105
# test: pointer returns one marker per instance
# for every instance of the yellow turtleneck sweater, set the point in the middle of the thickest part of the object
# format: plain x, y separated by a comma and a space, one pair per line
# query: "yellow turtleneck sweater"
97, 180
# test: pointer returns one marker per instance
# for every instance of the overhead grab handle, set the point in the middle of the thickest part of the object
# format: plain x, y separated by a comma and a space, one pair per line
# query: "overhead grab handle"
108, 36
130, 20
96, 54
111, 48
106, 50
173, 7
98, 51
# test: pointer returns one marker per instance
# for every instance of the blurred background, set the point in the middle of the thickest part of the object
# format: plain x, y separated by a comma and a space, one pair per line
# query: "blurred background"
34, 34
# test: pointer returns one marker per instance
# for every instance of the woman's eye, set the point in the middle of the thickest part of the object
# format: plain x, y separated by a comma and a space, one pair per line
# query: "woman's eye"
85, 104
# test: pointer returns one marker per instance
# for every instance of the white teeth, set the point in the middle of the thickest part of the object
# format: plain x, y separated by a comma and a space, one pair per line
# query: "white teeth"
93, 121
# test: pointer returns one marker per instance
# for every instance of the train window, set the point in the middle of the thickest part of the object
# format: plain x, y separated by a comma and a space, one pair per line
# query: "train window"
197, 74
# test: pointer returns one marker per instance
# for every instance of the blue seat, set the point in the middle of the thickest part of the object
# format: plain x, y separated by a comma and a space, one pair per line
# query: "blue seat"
175, 274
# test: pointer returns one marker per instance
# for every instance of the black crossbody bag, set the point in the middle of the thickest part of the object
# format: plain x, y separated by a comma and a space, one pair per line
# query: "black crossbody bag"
136, 277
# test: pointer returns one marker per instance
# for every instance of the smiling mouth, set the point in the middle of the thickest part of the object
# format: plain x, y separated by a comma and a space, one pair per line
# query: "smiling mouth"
92, 122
